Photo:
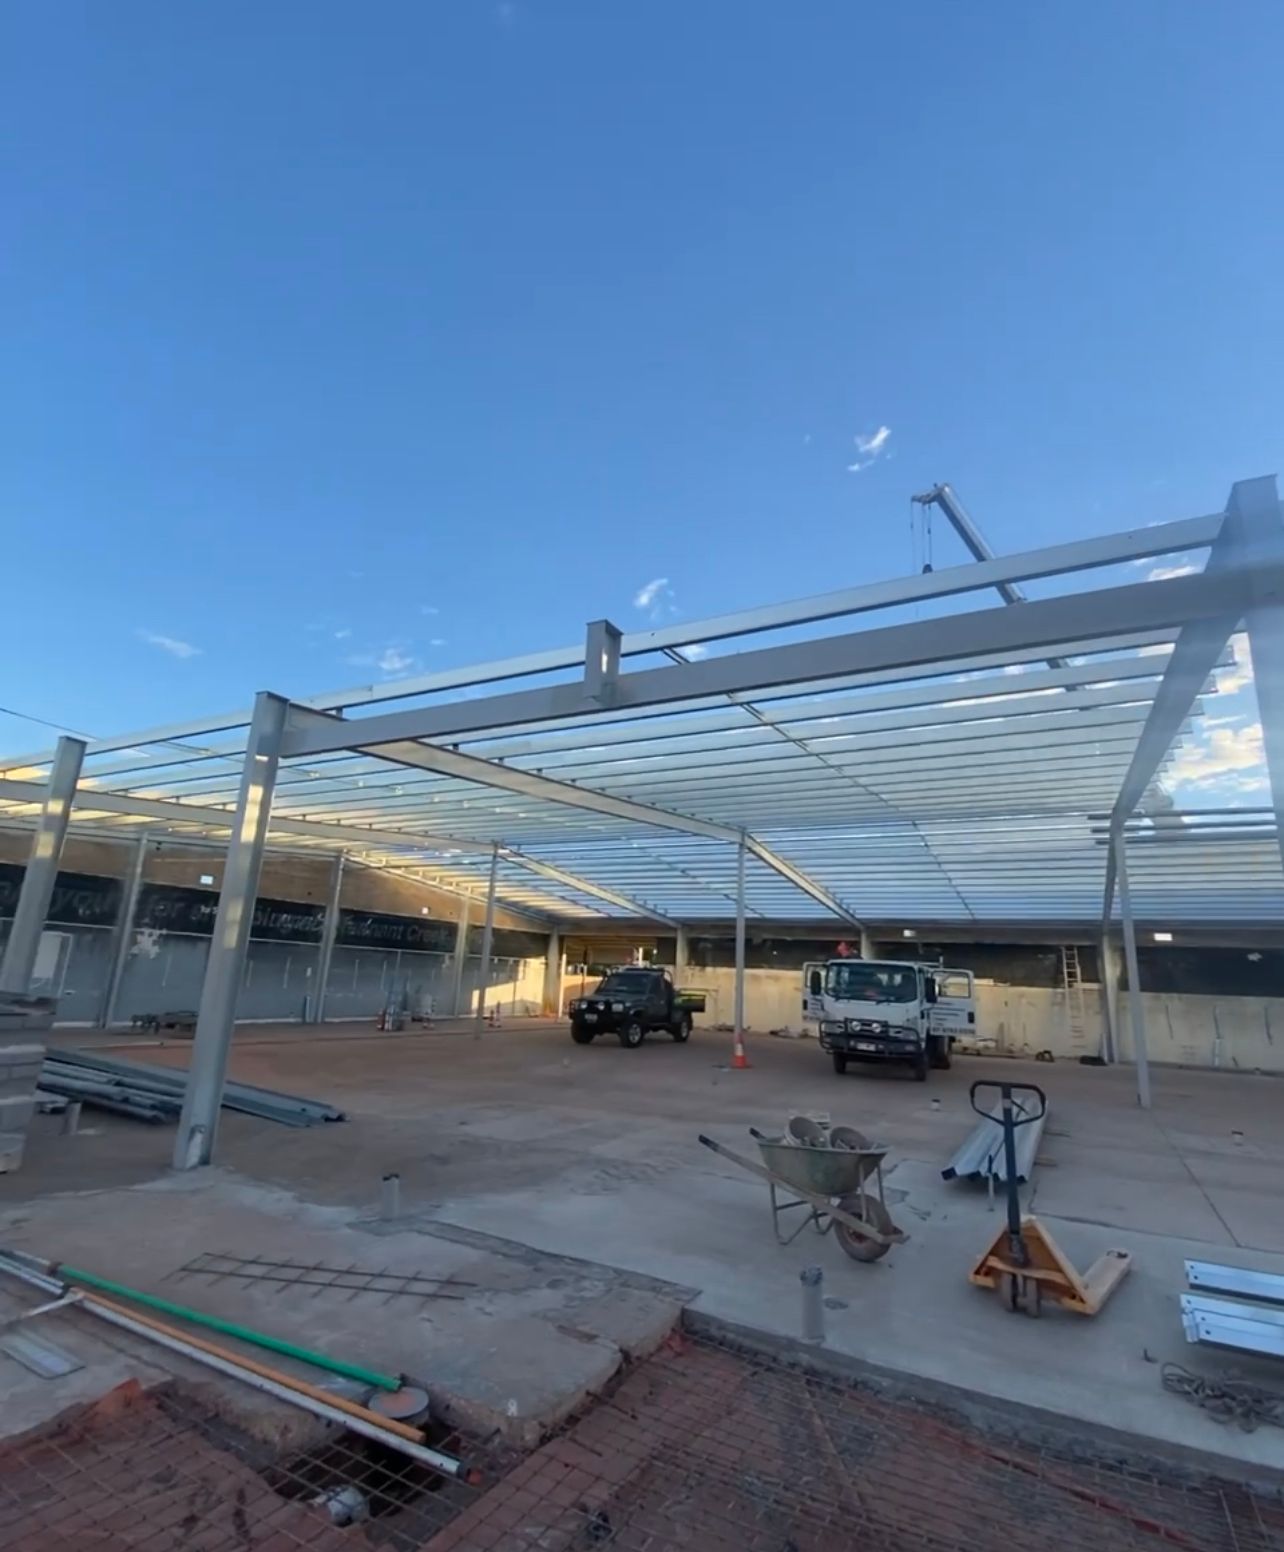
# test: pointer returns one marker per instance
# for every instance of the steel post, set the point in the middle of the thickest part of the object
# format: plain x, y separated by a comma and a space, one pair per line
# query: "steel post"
867, 945
740, 941
198, 1124
1255, 507
1136, 1014
329, 932
553, 961
488, 938
121, 942
681, 952
458, 959
1111, 1042
42, 868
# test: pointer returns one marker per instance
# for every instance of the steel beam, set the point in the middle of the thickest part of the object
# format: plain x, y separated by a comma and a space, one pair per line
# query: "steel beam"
203, 1095
929, 645
574, 881
488, 938
1056, 560
1136, 1013
1111, 1044
23, 943
329, 931
175, 812
529, 784
123, 935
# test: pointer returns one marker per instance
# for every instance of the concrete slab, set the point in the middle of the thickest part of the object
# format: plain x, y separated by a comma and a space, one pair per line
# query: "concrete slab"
591, 1154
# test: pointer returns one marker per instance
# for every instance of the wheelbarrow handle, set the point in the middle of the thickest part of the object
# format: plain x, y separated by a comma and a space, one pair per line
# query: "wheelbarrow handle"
1007, 1090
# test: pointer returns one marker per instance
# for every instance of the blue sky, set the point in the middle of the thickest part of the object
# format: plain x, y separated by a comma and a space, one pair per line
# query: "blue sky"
345, 340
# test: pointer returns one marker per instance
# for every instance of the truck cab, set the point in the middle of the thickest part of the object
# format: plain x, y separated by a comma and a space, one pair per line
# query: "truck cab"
631, 1002
883, 1010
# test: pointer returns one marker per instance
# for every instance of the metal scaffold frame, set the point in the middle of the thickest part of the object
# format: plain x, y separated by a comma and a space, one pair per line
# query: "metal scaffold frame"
945, 762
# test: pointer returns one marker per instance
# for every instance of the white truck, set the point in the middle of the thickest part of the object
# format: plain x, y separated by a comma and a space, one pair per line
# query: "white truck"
887, 1010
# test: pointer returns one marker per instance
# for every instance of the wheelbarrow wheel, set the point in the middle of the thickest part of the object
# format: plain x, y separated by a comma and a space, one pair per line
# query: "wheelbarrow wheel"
857, 1246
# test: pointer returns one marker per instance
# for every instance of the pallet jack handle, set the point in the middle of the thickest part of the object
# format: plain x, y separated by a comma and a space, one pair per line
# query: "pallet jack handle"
1010, 1122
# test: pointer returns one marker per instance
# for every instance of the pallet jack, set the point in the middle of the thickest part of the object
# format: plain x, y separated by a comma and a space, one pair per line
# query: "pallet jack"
1024, 1262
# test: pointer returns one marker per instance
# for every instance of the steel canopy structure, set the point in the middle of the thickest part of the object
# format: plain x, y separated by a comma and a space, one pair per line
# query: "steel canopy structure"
901, 752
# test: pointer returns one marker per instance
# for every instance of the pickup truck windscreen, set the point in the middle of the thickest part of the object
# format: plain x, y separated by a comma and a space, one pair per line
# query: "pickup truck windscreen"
627, 983
860, 982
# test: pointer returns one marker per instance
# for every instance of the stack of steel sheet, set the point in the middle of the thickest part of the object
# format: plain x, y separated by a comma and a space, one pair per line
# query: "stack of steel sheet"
155, 1094
24, 1022
981, 1156
1252, 1319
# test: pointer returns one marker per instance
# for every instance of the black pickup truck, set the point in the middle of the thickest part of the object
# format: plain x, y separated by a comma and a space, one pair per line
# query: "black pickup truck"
630, 1002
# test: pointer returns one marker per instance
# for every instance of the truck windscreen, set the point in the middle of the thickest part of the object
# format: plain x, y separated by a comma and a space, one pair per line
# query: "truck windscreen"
857, 981
626, 983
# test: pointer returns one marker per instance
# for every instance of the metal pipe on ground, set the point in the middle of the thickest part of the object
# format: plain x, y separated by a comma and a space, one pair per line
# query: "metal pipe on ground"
282, 1387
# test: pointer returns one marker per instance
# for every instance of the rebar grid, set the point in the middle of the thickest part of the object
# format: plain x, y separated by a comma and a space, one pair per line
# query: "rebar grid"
707, 1445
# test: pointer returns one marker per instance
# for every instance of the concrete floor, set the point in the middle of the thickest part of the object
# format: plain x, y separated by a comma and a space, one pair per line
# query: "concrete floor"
591, 1153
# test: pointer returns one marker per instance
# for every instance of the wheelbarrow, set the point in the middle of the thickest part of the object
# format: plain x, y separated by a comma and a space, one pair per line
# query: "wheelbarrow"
827, 1184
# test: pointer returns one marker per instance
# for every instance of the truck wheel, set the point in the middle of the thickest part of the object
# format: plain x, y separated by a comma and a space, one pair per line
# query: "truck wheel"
631, 1035
581, 1036
938, 1049
920, 1067
681, 1031
839, 1061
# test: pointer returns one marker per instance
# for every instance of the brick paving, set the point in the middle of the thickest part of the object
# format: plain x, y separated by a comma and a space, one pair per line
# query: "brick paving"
705, 1447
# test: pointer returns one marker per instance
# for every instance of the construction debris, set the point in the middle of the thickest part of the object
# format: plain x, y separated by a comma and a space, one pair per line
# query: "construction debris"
155, 1094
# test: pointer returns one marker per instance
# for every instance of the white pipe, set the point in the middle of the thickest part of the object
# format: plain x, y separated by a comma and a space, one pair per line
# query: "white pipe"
446, 1464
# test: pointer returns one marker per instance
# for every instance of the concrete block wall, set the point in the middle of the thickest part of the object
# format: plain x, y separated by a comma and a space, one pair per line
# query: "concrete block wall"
1236, 1033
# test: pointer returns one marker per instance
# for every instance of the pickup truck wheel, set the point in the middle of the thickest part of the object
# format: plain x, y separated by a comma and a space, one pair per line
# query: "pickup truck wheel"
631, 1035
920, 1067
582, 1036
681, 1031
839, 1061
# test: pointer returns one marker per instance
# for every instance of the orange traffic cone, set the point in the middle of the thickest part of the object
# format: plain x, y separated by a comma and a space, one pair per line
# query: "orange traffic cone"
739, 1061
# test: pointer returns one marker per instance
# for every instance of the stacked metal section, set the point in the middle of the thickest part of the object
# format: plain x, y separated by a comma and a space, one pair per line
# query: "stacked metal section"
981, 1156
1252, 1319
155, 1094
24, 1023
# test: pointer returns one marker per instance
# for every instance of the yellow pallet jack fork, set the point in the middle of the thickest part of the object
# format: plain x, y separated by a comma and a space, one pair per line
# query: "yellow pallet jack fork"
1024, 1262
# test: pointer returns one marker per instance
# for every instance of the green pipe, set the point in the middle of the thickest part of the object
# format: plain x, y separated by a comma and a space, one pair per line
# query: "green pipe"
229, 1328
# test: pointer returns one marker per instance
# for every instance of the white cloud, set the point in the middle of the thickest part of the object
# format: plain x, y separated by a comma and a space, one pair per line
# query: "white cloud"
1239, 677
437, 641
693, 653
870, 448
342, 635
170, 644
1221, 757
647, 594
1163, 573
394, 660
429, 609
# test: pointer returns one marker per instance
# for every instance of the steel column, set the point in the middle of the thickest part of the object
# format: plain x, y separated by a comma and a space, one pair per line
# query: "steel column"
1254, 507
488, 938
1136, 1014
225, 968
740, 940
329, 931
681, 951
121, 941
552, 1000
458, 959
867, 944
42, 868
1111, 1043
